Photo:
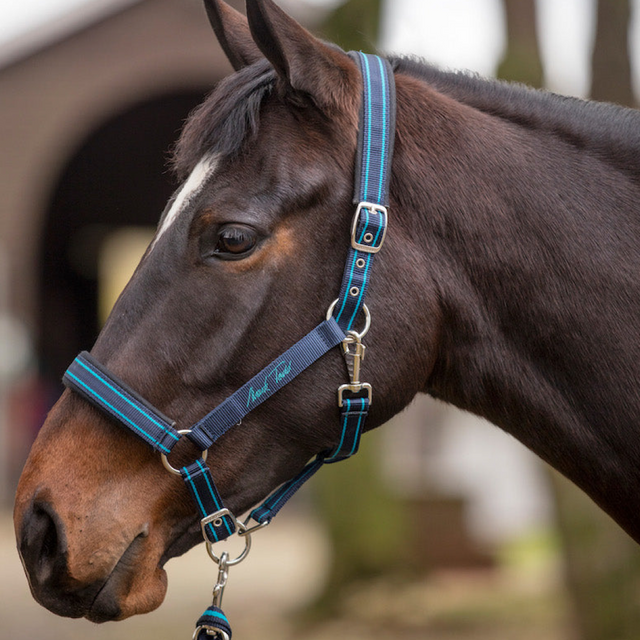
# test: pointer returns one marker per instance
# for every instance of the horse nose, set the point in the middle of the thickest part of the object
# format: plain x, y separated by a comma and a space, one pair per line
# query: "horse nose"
42, 543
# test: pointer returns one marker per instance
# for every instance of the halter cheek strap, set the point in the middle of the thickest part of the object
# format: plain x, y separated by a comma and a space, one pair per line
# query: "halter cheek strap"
96, 384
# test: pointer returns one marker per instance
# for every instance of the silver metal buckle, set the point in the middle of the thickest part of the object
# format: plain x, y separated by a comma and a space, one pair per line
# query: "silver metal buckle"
216, 520
373, 209
241, 530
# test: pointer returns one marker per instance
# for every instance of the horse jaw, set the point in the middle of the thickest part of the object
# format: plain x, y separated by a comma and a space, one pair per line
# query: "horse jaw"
92, 534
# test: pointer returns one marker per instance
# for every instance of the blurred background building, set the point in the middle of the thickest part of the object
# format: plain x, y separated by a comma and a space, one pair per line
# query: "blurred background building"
92, 95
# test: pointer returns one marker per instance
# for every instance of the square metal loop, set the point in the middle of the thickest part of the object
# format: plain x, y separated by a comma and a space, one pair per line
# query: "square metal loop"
218, 515
374, 209
355, 388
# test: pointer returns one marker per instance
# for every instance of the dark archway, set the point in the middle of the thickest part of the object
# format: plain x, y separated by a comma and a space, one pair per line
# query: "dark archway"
118, 177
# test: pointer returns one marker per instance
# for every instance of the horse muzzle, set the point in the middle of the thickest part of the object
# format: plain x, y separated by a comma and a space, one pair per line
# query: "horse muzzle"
43, 552
103, 593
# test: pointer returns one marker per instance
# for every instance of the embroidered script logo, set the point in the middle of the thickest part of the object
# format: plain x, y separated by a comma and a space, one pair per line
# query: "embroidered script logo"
277, 374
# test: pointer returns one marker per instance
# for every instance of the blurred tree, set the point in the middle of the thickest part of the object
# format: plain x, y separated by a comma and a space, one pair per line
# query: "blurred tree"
602, 562
354, 25
611, 80
521, 61
602, 566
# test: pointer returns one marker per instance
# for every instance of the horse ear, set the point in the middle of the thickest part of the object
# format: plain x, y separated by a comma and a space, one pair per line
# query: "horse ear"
232, 31
305, 64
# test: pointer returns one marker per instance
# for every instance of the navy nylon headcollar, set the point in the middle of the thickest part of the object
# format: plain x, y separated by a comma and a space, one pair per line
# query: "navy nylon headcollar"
95, 383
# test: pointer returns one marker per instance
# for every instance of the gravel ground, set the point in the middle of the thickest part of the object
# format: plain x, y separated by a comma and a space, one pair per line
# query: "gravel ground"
286, 571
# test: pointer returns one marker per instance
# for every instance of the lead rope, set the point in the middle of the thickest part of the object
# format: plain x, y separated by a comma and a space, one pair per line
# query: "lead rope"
96, 384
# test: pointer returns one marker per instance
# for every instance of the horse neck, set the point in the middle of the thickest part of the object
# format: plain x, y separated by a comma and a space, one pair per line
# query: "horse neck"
535, 253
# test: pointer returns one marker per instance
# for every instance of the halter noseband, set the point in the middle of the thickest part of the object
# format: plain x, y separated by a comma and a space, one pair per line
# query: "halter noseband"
95, 383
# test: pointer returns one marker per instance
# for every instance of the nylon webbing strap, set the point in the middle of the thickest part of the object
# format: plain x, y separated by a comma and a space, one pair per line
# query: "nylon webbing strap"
377, 130
205, 495
356, 275
353, 415
270, 507
263, 385
87, 377
373, 174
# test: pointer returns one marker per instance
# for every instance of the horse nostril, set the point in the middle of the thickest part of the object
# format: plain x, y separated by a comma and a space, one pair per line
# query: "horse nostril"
49, 540
41, 542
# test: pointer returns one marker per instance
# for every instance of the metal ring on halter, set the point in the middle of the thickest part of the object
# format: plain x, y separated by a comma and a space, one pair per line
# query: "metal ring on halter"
211, 631
241, 530
367, 318
167, 465
249, 530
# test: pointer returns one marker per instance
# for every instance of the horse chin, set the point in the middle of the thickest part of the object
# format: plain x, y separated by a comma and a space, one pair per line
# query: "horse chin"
132, 587
190, 537
110, 604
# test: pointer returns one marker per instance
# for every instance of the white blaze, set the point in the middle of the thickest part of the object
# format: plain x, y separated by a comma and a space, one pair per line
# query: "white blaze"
191, 188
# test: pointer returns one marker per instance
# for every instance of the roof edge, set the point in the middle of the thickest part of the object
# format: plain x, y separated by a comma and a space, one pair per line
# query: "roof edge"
34, 40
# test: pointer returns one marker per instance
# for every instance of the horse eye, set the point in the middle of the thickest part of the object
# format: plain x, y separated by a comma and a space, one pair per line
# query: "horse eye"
235, 240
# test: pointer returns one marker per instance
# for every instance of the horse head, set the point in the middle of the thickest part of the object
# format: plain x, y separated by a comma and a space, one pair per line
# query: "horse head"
247, 258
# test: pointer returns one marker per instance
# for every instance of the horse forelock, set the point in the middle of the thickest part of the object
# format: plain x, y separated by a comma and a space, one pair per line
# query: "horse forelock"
226, 119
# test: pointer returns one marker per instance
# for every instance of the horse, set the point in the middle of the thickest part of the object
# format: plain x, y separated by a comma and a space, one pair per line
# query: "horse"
509, 286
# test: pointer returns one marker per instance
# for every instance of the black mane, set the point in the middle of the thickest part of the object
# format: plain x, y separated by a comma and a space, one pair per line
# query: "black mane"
610, 131
231, 113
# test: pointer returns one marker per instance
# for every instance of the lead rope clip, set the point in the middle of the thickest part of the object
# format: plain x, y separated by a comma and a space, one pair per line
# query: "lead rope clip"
221, 583
213, 623
353, 351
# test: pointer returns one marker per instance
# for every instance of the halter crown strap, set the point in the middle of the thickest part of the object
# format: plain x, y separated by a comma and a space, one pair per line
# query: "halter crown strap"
372, 177
376, 134
368, 231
